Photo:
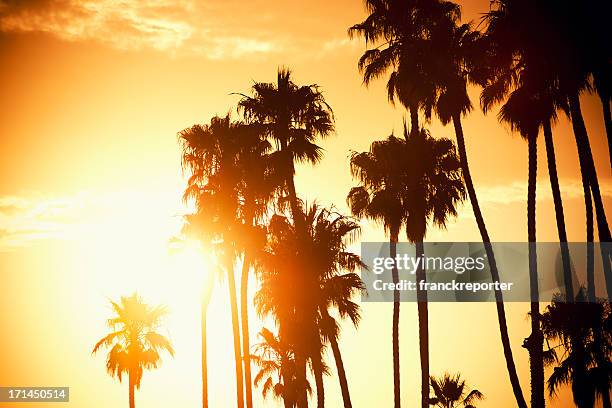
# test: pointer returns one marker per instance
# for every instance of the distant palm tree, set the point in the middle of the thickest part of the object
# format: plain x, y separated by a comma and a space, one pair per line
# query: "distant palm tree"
134, 343
292, 118
276, 369
421, 185
583, 331
303, 276
452, 392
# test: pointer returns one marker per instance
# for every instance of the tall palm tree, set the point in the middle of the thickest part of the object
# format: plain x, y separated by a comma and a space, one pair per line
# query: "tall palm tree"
582, 331
522, 113
292, 118
134, 342
301, 279
441, 83
450, 391
423, 184
212, 154
401, 27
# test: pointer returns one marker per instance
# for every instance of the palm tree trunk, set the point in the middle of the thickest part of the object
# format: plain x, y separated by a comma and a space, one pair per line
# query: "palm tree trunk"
414, 120
499, 300
535, 343
396, 315
231, 283
346, 396
423, 327
204, 356
587, 166
317, 368
605, 103
131, 386
606, 400
244, 315
300, 380
590, 233
556, 193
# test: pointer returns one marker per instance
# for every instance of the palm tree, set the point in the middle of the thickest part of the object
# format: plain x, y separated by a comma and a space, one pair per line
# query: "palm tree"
276, 369
212, 153
292, 118
441, 83
582, 331
450, 391
417, 181
300, 280
134, 342
402, 27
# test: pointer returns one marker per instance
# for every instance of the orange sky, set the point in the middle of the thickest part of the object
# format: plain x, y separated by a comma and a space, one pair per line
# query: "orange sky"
93, 94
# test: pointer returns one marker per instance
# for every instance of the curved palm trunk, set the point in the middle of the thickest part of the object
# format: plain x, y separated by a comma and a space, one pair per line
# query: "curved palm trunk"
499, 300
535, 343
231, 283
346, 396
590, 233
423, 328
204, 356
244, 316
605, 103
556, 193
587, 166
132, 386
396, 314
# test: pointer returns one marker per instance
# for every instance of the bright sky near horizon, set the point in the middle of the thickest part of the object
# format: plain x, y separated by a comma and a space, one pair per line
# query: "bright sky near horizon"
93, 95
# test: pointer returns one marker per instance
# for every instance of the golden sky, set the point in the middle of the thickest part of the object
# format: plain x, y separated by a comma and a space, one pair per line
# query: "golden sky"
93, 94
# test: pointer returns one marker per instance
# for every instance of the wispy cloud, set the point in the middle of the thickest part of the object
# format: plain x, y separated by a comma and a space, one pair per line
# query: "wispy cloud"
175, 27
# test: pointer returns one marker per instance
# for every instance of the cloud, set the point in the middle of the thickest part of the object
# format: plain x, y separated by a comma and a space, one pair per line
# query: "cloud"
176, 27
517, 191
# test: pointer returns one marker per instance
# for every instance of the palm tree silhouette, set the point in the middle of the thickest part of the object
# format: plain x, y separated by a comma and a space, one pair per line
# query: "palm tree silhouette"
134, 343
450, 391
583, 332
292, 118
300, 279
276, 369
437, 80
548, 59
216, 155
409, 182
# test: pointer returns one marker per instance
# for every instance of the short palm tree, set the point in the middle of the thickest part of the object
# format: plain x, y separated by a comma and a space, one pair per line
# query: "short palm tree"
450, 391
134, 342
416, 180
583, 333
276, 373
302, 277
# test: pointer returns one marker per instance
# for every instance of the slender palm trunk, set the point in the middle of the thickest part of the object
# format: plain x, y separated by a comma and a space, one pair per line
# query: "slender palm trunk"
396, 315
414, 120
605, 103
590, 236
132, 386
204, 355
556, 193
317, 368
535, 343
300, 379
423, 327
587, 166
231, 282
499, 300
346, 396
244, 315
